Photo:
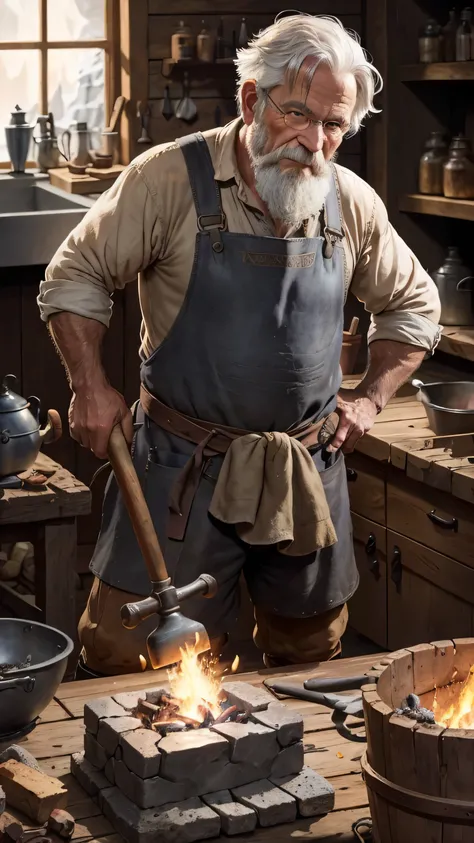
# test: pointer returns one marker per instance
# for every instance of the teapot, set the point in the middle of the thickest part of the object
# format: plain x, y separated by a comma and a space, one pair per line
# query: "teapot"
76, 142
20, 434
47, 143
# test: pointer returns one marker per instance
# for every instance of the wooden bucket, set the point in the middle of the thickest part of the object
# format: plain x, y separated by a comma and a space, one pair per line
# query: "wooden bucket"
420, 778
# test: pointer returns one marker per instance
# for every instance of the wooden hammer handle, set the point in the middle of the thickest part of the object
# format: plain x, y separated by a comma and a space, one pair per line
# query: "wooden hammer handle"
137, 507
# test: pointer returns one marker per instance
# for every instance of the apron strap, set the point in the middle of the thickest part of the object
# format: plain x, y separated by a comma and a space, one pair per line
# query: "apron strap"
207, 199
333, 231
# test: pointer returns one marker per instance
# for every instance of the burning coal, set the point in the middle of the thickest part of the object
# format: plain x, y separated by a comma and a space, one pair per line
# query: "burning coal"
457, 713
195, 700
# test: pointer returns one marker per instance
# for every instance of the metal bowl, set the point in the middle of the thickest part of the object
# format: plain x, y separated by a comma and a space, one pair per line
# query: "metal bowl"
25, 692
449, 405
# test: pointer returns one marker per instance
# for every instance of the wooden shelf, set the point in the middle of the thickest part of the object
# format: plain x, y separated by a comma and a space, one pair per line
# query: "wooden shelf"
458, 342
437, 206
169, 65
449, 71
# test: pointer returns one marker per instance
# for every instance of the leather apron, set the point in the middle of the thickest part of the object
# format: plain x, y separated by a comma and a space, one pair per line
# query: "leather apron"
255, 346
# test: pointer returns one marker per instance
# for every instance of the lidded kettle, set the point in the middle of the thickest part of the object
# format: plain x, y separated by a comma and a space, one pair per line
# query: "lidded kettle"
18, 134
455, 283
20, 434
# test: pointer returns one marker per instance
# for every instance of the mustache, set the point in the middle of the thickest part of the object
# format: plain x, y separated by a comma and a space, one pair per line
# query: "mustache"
298, 154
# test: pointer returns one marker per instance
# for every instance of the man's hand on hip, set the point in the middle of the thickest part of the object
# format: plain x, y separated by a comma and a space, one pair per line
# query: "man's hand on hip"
357, 415
93, 413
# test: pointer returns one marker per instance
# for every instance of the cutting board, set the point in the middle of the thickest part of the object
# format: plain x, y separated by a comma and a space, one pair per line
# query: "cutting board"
89, 183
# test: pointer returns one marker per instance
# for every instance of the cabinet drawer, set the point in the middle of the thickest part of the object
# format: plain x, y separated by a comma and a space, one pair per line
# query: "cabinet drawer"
428, 595
366, 484
368, 606
434, 518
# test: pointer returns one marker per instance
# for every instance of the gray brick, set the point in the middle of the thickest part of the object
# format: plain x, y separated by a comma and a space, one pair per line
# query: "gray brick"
111, 728
139, 751
235, 817
184, 753
273, 805
90, 779
152, 695
250, 742
94, 752
97, 710
183, 822
290, 760
288, 723
148, 793
247, 697
128, 699
314, 795
109, 770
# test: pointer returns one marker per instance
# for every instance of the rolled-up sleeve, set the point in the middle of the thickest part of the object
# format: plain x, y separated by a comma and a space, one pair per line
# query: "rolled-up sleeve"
399, 294
118, 238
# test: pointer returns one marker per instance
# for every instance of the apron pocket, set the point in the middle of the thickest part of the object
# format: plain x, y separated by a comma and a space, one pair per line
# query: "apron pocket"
162, 471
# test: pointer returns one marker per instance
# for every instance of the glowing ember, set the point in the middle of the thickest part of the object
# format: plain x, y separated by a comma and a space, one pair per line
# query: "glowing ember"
195, 685
142, 661
458, 714
235, 664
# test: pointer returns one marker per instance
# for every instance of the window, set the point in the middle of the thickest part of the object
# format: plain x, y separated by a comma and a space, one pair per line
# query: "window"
58, 56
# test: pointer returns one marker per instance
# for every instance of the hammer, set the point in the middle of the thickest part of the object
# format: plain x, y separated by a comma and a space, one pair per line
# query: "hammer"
174, 630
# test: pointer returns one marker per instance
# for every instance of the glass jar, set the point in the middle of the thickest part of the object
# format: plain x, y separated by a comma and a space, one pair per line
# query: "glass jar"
182, 43
430, 177
458, 170
429, 43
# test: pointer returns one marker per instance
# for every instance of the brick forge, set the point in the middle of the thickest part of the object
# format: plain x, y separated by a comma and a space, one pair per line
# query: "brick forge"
194, 785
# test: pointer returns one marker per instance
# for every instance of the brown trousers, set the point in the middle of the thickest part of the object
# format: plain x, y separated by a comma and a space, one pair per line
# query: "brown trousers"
109, 648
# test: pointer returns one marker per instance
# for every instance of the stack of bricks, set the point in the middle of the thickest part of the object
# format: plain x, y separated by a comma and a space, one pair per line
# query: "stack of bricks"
193, 785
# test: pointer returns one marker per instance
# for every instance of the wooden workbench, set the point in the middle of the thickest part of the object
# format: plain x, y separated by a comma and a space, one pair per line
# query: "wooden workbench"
61, 733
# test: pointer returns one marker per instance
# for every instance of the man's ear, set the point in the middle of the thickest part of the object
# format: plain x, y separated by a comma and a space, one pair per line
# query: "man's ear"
249, 100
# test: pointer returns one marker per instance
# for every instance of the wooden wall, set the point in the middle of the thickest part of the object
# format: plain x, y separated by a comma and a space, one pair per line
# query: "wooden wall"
25, 346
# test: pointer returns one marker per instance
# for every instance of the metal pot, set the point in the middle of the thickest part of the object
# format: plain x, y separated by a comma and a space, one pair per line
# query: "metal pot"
25, 692
455, 283
449, 405
20, 433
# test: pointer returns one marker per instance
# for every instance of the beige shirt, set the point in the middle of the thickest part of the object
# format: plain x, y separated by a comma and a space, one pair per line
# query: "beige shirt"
146, 224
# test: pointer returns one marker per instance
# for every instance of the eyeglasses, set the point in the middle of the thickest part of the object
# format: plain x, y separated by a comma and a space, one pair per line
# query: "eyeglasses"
295, 119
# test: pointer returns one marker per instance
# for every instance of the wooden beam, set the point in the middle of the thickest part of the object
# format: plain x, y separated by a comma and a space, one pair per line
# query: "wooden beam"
134, 71
377, 125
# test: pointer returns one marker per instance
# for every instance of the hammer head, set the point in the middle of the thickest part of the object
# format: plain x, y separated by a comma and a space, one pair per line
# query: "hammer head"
172, 635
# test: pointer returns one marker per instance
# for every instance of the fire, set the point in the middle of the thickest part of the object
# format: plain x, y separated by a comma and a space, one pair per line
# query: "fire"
195, 685
459, 714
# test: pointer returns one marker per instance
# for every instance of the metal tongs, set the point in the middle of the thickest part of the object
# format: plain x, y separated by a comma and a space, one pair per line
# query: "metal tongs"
324, 692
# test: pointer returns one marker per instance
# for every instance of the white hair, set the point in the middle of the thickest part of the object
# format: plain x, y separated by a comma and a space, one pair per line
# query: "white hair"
277, 53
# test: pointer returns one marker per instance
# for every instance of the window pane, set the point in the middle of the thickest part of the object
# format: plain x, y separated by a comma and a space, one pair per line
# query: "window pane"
75, 20
19, 20
19, 85
76, 88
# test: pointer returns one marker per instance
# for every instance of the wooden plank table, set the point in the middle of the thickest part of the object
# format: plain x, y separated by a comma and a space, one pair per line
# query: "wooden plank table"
61, 732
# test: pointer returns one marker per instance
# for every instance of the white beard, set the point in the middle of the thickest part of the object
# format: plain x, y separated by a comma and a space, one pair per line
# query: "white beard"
290, 196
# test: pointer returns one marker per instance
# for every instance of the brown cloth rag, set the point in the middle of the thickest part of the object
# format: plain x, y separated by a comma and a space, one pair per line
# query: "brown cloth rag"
268, 486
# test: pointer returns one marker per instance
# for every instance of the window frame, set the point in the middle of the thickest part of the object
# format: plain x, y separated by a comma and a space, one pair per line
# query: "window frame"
110, 45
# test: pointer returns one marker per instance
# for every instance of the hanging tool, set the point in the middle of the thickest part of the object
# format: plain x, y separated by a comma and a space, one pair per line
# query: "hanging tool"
167, 109
186, 109
144, 114
116, 113
174, 630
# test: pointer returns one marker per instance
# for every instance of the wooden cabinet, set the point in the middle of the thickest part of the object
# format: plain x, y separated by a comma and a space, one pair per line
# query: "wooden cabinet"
366, 483
368, 607
430, 596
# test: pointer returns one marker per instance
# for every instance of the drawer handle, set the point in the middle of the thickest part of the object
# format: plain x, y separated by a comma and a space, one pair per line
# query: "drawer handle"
446, 523
351, 475
371, 550
397, 570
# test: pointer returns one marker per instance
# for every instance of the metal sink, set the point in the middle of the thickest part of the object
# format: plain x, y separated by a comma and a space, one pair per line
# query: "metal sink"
35, 218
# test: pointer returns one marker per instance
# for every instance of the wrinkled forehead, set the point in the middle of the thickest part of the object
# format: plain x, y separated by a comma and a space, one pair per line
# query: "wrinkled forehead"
319, 87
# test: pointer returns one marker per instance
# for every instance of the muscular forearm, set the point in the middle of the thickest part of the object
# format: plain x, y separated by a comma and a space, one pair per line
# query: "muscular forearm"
391, 364
79, 342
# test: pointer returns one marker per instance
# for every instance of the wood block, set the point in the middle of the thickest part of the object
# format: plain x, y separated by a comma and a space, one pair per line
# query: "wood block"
31, 791
72, 183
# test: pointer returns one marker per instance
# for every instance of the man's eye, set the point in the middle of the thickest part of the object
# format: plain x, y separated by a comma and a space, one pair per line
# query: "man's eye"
295, 113
333, 124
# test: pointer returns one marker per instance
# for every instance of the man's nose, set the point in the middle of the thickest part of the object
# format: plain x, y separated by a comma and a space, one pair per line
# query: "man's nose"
313, 138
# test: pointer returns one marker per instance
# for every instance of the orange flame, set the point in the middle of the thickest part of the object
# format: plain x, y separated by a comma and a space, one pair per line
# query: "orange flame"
194, 683
459, 714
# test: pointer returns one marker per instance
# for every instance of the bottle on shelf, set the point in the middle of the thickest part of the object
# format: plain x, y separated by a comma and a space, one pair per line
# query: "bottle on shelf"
430, 42
220, 40
182, 43
205, 45
458, 170
430, 177
464, 36
449, 36
243, 34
